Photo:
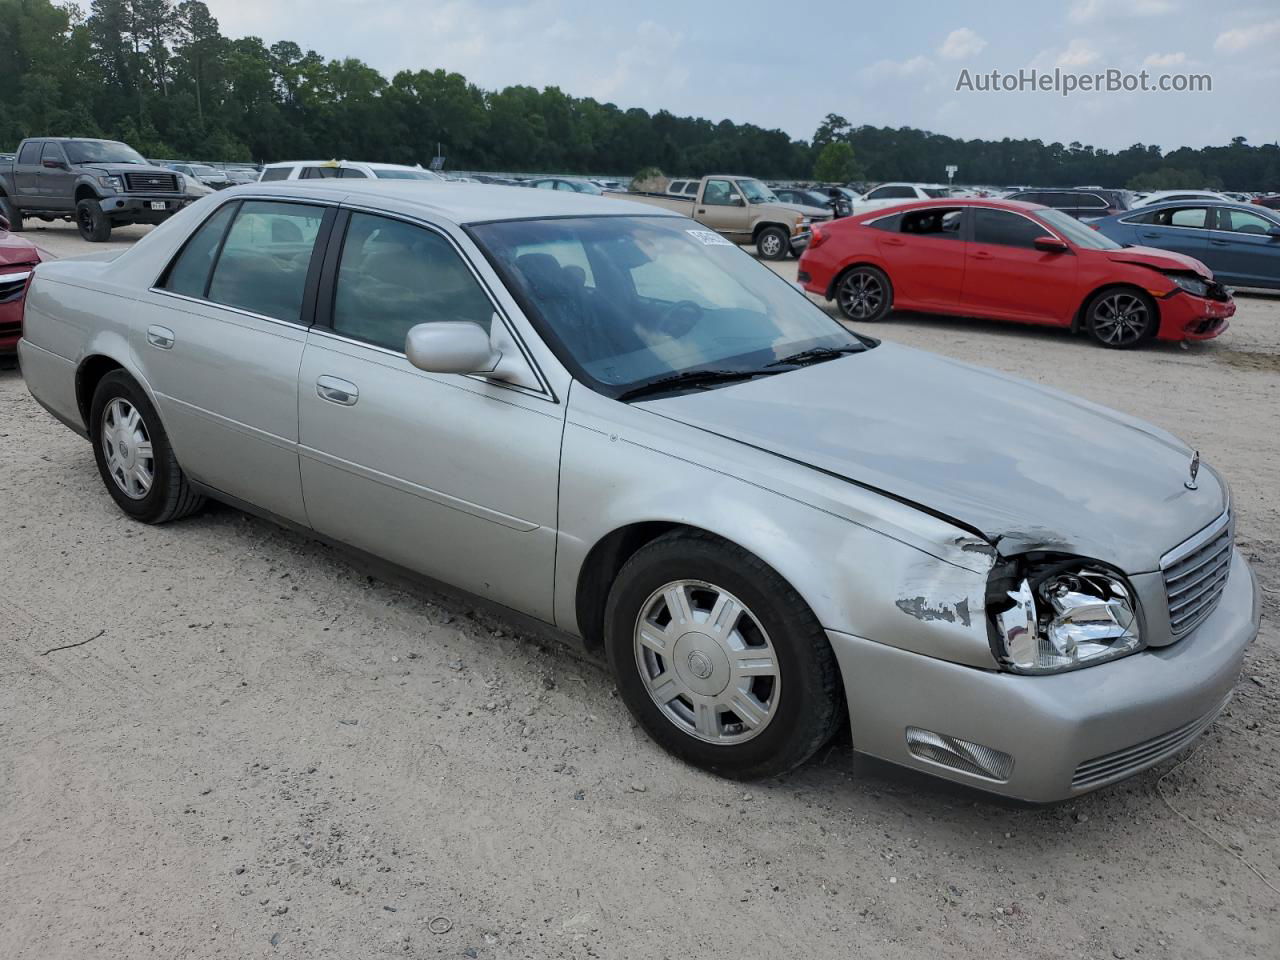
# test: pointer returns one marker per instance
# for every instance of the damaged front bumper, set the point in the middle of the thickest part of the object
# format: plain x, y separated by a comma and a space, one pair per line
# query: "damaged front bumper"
1047, 738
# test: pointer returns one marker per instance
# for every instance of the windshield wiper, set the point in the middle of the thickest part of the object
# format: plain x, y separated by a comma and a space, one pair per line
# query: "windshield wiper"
692, 379
816, 355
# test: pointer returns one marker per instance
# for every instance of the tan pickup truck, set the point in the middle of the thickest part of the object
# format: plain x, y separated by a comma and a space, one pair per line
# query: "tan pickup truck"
745, 211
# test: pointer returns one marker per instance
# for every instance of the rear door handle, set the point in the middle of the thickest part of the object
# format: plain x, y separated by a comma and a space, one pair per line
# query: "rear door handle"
1148, 233
336, 390
161, 337
981, 255
1221, 243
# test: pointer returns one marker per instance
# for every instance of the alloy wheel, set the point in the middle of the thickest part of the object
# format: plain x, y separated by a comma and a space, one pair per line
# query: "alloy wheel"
861, 295
1120, 319
707, 662
126, 447
771, 245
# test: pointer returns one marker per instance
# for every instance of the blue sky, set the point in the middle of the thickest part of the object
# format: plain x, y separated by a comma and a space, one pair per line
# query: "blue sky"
787, 65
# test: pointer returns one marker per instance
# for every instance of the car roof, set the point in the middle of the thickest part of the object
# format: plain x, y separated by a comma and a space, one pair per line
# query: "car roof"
455, 202
1017, 206
1209, 202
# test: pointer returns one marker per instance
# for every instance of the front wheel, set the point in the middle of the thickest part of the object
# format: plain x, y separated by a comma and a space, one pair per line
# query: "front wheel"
10, 211
93, 224
1121, 318
773, 243
719, 659
134, 458
864, 294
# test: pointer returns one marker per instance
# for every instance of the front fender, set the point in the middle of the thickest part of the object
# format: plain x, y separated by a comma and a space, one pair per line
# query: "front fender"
865, 564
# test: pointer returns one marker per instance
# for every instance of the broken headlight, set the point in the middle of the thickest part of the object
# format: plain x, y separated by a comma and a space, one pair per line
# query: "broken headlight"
1062, 616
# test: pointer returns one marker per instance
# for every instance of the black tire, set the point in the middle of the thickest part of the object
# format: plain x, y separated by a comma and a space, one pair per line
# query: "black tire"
10, 211
170, 496
93, 224
864, 294
808, 709
773, 243
1121, 318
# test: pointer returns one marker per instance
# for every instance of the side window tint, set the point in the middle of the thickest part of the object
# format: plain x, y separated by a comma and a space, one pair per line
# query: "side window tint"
1006, 229
890, 224
393, 276
263, 266
880, 193
189, 274
30, 153
276, 173
1189, 217
350, 173
941, 224
1240, 221
718, 193
319, 173
52, 151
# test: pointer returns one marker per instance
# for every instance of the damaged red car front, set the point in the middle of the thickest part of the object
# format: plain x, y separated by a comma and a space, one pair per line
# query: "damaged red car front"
18, 257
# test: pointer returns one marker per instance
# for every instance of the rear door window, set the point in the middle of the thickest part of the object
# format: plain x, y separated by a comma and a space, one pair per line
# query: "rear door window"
319, 173
276, 173
264, 261
1194, 217
189, 274
940, 223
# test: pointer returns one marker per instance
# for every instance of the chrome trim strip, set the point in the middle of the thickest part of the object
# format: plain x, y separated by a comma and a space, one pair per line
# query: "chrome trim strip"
14, 277
425, 493
284, 443
1196, 541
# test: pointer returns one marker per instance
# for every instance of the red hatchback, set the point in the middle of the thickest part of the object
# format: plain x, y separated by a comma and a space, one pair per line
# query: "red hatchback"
1011, 261
18, 258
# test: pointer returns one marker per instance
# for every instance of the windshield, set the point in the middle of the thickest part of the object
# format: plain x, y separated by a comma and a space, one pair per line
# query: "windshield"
582, 186
102, 151
756, 192
405, 175
201, 170
1075, 231
625, 301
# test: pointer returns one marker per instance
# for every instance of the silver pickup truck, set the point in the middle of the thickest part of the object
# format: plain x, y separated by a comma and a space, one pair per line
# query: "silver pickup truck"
746, 211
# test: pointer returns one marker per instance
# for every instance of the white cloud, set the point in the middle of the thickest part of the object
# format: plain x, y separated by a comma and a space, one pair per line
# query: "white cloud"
1077, 54
1090, 11
961, 44
897, 69
1242, 38
1165, 60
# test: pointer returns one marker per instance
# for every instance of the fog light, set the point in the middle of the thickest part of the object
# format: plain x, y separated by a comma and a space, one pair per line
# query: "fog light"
962, 755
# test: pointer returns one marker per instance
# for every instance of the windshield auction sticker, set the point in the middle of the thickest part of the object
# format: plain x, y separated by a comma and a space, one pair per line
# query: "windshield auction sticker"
709, 238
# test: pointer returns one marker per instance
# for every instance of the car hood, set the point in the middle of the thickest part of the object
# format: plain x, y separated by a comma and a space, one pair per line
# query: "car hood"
16, 250
118, 168
1159, 259
1025, 466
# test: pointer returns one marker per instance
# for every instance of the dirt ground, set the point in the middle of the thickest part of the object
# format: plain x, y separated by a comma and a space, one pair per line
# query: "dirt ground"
265, 751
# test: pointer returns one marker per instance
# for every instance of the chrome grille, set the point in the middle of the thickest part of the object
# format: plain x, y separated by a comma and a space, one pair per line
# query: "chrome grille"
12, 285
148, 182
1124, 763
1195, 574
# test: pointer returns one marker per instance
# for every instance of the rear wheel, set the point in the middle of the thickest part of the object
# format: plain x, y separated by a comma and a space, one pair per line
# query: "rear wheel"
1121, 318
93, 224
773, 243
864, 294
134, 458
719, 659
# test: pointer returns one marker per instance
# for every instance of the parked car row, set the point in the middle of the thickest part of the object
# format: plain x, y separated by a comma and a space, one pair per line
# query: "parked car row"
18, 258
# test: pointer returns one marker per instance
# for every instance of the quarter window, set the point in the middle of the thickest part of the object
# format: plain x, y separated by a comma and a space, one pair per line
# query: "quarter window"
30, 153
189, 274
264, 261
276, 173
1005, 229
319, 173
393, 276
940, 223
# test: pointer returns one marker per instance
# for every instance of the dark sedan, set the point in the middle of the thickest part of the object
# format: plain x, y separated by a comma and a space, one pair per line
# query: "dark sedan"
839, 206
1239, 242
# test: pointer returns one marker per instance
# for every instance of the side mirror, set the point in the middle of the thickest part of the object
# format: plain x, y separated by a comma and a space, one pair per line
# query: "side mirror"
1051, 245
450, 347
53, 163
736, 201
463, 347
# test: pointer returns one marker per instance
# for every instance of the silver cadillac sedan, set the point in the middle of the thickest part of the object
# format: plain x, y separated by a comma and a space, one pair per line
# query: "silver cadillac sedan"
610, 419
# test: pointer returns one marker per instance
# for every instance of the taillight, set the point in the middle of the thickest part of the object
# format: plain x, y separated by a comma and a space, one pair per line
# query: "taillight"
817, 238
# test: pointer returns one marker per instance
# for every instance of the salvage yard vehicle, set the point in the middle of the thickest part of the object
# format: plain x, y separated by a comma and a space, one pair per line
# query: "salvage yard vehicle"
613, 420
892, 194
1239, 242
18, 257
101, 183
1083, 204
1007, 260
567, 184
744, 210
343, 170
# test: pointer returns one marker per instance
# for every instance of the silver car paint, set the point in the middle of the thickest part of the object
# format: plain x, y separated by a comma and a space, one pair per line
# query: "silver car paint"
456, 477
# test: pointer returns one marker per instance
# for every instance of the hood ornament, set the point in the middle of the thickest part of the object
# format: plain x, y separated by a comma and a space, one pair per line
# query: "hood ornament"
1195, 470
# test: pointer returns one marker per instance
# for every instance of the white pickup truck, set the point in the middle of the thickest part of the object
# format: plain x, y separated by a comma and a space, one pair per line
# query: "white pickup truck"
745, 211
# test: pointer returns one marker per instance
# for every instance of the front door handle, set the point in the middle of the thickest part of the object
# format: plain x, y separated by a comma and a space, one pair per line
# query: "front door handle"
1221, 243
1150, 234
981, 255
336, 390
161, 337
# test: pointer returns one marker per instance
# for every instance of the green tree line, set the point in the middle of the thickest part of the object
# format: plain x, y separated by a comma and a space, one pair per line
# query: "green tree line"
161, 76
